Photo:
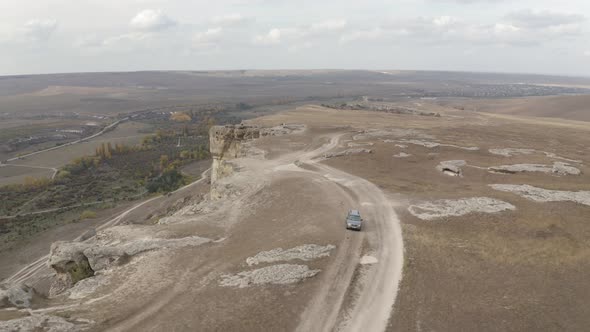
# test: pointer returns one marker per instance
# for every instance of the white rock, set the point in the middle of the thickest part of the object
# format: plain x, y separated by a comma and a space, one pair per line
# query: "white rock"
19, 296
545, 195
40, 322
275, 274
347, 152
305, 252
451, 167
367, 260
558, 168
458, 207
509, 152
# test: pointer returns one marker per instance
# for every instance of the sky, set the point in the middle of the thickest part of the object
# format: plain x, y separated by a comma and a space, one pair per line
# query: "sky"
521, 36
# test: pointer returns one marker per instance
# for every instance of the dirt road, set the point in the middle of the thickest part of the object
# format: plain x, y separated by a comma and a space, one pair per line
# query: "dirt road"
373, 308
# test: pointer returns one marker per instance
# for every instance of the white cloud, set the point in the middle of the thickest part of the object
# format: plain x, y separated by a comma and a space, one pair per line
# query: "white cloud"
151, 20
361, 35
207, 38
329, 25
39, 30
587, 53
230, 19
126, 40
544, 18
270, 38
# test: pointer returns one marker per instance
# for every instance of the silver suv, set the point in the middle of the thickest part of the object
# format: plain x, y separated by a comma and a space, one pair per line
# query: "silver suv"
354, 220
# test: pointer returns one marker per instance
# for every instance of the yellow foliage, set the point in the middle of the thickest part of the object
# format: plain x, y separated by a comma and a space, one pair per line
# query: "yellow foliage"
180, 117
87, 214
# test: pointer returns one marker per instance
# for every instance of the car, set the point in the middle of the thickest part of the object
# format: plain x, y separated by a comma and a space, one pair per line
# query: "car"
354, 220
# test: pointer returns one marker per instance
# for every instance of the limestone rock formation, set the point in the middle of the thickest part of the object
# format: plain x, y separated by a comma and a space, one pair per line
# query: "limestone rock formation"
75, 261
19, 296
227, 143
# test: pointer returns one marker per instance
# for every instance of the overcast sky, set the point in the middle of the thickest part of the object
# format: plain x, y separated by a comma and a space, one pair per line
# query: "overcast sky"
532, 36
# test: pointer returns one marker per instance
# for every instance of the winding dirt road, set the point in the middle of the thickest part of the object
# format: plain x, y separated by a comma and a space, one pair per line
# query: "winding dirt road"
373, 307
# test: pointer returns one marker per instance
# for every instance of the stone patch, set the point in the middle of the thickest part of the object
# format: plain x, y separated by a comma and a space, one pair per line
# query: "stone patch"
356, 145
347, 153
395, 132
558, 168
281, 274
305, 252
545, 195
458, 207
401, 155
509, 152
430, 145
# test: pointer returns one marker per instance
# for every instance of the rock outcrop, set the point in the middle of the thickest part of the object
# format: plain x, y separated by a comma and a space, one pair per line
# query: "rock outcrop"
75, 261
228, 142
19, 296
225, 144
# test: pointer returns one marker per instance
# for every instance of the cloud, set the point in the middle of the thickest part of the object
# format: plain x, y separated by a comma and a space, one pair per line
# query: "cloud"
361, 35
207, 38
230, 19
127, 40
329, 25
271, 38
543, 18
151, 20
587, 53
39, 30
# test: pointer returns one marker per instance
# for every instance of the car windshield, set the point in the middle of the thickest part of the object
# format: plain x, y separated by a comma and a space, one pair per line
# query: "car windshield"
354, 218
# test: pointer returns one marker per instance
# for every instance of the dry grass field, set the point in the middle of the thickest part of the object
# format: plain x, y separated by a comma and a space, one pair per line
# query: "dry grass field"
513, 270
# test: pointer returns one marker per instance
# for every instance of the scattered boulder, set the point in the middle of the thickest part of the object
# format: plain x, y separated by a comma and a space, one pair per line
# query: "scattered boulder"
458, 207
451, 167
545, 195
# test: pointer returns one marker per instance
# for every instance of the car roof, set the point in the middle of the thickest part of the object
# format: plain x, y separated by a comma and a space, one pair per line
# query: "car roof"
354, 212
